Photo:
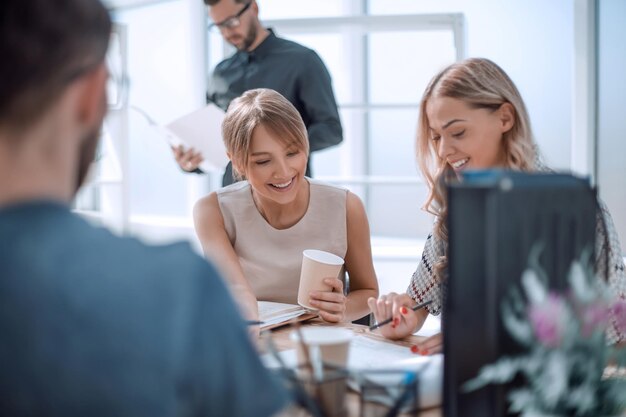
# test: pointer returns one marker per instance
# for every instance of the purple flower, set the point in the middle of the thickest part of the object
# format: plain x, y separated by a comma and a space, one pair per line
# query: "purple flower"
593, 317
549, 320
619, 314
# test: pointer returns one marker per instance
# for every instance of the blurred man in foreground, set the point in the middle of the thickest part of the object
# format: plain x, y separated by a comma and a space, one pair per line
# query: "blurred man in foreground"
92, 324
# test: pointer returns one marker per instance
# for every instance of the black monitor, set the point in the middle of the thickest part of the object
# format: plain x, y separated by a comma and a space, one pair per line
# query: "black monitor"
494, 219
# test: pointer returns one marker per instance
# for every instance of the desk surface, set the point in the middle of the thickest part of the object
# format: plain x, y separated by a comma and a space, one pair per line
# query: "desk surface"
282, 341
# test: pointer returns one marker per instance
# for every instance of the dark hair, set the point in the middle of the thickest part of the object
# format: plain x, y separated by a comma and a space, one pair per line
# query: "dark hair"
214, 2
44, 45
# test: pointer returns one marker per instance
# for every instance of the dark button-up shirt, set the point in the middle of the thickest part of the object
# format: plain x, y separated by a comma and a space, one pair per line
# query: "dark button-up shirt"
294, 71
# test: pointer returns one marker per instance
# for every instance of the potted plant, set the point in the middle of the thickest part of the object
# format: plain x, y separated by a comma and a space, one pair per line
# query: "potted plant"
566, 352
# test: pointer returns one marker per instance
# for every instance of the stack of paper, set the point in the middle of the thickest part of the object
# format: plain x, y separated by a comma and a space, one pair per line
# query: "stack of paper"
273, 314
202, 131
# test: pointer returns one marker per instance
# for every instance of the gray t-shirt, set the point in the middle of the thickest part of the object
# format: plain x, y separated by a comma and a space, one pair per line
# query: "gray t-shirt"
96, 325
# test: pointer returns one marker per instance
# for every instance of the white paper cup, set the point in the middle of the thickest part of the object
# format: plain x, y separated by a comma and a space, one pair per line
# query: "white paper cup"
330, 345
316, 265
328, 349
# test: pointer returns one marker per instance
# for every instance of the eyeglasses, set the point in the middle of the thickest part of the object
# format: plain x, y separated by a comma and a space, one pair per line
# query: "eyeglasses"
231, 22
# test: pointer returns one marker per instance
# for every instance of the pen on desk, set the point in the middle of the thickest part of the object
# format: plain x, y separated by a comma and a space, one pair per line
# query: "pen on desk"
254, 322
389, 320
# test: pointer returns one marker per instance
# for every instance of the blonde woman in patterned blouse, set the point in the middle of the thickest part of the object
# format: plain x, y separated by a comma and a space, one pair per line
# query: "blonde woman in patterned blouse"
473, 117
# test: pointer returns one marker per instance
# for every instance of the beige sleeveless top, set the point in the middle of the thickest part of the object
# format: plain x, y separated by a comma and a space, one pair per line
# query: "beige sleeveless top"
271, 258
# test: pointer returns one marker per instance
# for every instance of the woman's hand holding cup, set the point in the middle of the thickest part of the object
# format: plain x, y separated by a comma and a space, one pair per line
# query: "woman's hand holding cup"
330, 304
320, 287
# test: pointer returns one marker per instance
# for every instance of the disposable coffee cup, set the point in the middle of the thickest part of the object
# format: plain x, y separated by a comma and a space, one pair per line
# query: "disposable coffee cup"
316, 265
325, 377
326, 345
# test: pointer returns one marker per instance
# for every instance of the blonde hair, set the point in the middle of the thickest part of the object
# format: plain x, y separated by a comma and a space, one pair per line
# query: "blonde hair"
266, 107
480, 83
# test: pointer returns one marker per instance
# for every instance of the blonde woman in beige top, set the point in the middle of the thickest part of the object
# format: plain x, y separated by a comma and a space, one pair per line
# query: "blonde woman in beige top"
256, 230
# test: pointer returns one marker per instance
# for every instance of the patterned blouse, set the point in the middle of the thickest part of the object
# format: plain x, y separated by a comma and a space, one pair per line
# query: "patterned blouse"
425, 285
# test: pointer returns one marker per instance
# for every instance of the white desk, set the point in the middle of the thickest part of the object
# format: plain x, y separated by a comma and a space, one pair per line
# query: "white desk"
283, 342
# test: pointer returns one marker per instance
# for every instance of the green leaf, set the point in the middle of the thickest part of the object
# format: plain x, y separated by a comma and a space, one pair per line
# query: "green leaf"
616, 395
517, 325
500, 372
534, 288
535, 265
583, 399
579, 282
554, 378
521, 399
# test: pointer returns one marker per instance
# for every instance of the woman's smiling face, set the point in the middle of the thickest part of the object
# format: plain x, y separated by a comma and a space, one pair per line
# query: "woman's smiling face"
274, 170
466, 137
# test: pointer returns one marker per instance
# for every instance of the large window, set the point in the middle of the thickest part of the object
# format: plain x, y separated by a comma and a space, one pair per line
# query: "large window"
380, 54
380, 66
158, 72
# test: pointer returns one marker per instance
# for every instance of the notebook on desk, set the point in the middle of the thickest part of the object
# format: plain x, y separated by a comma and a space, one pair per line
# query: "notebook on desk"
273, 314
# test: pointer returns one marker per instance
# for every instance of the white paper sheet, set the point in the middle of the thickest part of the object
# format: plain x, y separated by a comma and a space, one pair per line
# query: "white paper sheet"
201, 130
370, 353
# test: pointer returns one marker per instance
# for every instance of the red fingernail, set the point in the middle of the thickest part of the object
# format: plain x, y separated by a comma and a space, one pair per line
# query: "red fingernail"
424, 352
414, 349
393, 326
396, 321
404, 310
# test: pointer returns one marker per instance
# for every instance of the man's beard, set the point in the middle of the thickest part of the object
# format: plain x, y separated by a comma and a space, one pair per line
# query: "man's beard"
249, 38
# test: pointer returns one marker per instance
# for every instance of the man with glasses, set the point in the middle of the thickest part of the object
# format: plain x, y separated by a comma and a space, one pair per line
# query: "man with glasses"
92, 324
264, 60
